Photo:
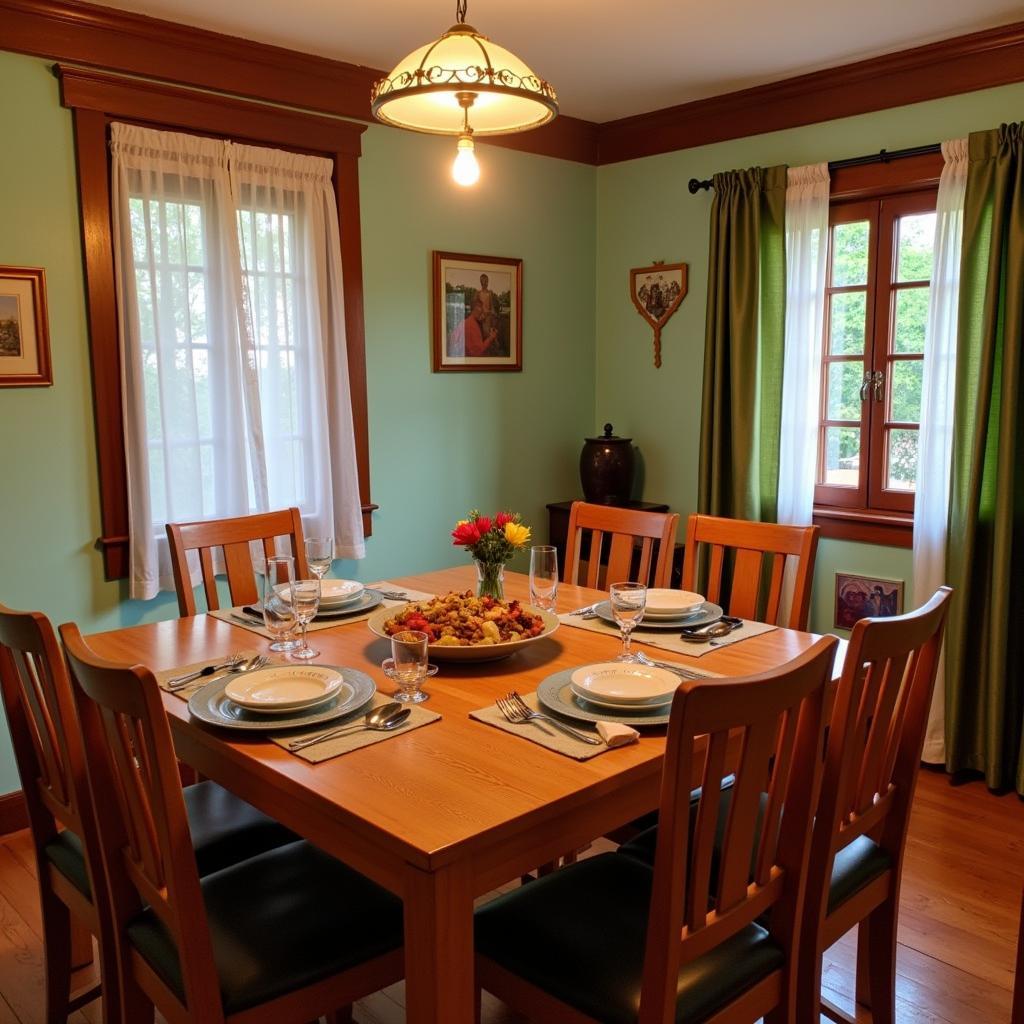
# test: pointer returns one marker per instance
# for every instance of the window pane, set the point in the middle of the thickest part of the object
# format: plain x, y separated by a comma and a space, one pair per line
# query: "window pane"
911, 311
846, 323
914, 250
907, 376
844, 380
850, 253
842, 456
902, 459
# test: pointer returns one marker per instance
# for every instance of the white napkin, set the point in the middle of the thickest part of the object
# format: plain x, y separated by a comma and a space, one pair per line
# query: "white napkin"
615, 734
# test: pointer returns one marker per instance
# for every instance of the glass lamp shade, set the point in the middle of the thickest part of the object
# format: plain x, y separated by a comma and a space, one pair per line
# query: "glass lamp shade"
427, 90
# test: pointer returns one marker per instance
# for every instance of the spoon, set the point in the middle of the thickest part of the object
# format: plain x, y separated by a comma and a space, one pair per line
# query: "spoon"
383, 719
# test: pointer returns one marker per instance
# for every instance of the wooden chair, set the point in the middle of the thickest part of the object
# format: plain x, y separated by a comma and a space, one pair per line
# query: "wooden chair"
872, 760
1017, 1012
234, 537
626, 528
280, 938
611, 940
752, 543
48, 752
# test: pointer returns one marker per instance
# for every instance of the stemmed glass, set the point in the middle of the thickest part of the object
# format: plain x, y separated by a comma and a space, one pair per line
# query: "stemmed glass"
278, 613
628, 601
544, 576
408, 665
319, 555
305, 602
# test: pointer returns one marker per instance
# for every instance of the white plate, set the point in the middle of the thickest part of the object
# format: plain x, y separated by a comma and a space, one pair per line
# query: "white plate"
334, 593
623, 683
654, 702
671, 604
284, 687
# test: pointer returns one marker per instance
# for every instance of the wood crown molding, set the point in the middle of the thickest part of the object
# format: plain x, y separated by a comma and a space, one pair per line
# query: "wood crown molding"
70, 30
966, 63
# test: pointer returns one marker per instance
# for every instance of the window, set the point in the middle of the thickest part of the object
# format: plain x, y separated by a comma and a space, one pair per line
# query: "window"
879, 271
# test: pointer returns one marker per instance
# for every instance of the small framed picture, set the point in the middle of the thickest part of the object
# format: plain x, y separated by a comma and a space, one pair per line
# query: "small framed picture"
863, 597
478, 313
24, 333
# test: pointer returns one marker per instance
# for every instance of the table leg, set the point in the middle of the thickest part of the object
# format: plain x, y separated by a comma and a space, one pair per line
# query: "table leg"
439, 987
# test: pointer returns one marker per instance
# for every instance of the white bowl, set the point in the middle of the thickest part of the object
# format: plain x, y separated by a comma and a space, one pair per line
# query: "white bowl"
670, 604
624, 683
284, 687
334, 593
613, 705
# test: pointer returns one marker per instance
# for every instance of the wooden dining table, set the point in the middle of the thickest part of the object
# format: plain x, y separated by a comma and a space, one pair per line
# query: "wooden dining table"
447, 812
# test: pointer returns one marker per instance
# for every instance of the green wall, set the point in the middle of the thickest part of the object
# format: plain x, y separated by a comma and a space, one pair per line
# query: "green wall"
440, 443
645, 213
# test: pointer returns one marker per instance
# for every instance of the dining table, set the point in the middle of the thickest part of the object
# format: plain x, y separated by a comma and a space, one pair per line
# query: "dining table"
444, 813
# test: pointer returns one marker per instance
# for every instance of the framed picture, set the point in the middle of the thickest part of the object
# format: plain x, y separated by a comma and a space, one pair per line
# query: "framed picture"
862, 597
478, 312
656, 292
24, 334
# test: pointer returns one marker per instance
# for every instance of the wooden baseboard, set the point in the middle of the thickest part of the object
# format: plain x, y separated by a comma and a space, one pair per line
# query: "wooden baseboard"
13, 812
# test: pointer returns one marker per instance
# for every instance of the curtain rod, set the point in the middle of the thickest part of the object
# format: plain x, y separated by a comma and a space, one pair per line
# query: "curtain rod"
883, 156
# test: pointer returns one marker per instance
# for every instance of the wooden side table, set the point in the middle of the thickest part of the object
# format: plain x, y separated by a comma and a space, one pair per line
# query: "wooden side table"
558, 532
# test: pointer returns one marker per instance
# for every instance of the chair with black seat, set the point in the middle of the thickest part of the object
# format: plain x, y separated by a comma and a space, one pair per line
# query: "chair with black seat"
49, 755
631, 535
871, 764
232, 538
280, 938
611, 940
752, 546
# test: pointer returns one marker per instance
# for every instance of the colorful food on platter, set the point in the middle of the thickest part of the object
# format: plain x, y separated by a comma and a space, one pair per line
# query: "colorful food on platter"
464, 620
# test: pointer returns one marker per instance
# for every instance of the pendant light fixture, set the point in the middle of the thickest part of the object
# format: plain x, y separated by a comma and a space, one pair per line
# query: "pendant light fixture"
463, 84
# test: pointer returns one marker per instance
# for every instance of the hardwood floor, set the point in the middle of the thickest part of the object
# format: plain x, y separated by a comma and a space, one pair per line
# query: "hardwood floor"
958, 921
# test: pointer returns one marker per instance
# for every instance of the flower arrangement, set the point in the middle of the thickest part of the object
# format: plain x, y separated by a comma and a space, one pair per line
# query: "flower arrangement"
492, 542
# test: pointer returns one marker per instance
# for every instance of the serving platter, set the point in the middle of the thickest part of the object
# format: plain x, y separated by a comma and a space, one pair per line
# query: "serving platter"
480, 652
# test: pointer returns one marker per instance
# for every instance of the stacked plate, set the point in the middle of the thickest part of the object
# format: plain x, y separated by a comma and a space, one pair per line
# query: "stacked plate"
672, 604
340, 598
282, 697
622, 686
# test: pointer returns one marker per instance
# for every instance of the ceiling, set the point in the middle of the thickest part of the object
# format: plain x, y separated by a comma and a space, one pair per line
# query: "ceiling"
608, 58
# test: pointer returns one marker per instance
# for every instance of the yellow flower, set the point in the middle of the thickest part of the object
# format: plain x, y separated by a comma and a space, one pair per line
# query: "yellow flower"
462, 522
517, 534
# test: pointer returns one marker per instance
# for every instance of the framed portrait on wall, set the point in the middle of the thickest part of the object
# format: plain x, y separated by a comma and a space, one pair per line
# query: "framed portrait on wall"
863, 597
478, 313
24, 333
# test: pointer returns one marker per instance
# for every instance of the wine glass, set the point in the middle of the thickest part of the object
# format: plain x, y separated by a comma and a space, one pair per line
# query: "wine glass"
628, 601
278, 613
408, 665
544, 576
319, 555
305, 602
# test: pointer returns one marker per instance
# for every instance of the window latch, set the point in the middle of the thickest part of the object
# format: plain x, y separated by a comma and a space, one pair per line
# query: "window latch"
865, 386
872, 383
878, 382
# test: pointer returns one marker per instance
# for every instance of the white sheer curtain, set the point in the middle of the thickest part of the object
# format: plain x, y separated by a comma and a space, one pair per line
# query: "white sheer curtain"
807, 191
931, 504
232, 337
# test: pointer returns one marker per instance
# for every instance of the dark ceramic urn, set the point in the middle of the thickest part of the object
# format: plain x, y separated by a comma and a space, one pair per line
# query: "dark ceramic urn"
606, 468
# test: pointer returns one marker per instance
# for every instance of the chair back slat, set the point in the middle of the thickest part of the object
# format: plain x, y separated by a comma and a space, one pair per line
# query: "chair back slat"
633, 536
777, 718
749, 545
145, 843
875, 740
234, 538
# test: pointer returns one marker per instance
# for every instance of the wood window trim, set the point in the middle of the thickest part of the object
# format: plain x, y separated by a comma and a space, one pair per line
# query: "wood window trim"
97, 98
893, 528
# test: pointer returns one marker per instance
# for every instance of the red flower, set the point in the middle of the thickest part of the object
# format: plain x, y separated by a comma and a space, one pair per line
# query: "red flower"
483, 524
466, 534
502, 518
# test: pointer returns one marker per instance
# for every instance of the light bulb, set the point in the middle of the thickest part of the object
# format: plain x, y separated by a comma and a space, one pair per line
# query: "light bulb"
465, 170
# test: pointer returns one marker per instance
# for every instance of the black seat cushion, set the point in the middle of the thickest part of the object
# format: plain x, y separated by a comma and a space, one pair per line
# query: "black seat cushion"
855, 865
579, 934
224, 831
278, 922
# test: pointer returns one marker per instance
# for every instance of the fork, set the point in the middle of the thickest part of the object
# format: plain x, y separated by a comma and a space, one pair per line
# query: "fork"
518, 712
669, 666
236, 669
586, 611
208, 670
392, 595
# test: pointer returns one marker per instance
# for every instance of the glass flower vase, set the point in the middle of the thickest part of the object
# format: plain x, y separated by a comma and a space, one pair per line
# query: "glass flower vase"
490, 579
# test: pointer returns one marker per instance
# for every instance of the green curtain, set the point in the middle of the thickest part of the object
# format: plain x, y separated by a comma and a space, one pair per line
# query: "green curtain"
985, 549
743, 346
